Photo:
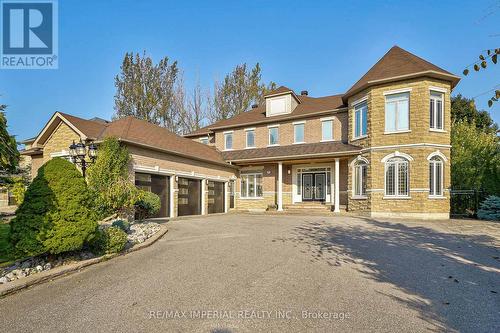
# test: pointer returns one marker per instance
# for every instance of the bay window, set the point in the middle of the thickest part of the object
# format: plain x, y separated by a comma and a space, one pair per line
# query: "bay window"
360, 175
436, 177
396, 177
436, 111
360, 120
397, 112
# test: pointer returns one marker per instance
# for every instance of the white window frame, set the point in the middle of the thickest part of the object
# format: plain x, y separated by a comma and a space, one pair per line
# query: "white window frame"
434, 102
255, 174
397, 160
331, 120
392, 93
432, 177
295, 124
247, 131
226, 134
269, 128
204, 138
357, 189
359, 108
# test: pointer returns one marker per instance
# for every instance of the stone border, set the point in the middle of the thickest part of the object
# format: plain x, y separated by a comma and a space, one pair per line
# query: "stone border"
14, 286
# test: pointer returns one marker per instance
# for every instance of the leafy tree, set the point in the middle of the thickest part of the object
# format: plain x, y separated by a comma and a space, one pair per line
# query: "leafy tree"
146, 90
475, 158
464, 109
237, 92
56, 215
488, 55
9, 156
108, 179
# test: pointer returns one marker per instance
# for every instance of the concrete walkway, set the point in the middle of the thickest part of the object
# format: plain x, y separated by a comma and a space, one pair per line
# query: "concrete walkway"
248, 273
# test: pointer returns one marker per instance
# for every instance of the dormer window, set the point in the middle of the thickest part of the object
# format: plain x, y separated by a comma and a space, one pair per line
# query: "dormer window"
280, 101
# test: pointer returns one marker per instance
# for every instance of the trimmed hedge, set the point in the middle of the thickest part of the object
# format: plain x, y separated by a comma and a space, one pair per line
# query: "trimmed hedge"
108, 240
56, 214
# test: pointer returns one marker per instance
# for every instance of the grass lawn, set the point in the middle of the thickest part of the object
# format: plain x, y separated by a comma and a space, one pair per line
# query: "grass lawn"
5, 247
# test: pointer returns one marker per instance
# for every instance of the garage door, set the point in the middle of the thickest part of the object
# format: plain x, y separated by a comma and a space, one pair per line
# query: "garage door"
189, 201
158, 185
215, 197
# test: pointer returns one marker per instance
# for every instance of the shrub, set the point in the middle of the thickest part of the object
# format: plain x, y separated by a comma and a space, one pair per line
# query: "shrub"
122, 224
18, 189
108, 240
490, 209
147, 205
55, 215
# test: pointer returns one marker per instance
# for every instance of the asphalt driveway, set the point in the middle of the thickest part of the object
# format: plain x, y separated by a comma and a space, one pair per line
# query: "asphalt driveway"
240, 273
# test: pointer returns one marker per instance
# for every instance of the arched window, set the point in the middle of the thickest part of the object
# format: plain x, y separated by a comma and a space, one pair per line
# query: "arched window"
359, 181
397, 180
436, 176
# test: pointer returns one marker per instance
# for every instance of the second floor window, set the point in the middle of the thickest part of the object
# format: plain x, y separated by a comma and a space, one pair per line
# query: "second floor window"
250, 138
436, 111
397, 112
327, 130
298, 133
228, 141
273, 136
360, 120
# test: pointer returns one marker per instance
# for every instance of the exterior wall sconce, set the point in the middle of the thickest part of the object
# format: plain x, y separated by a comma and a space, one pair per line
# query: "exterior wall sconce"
176, 178
289, 171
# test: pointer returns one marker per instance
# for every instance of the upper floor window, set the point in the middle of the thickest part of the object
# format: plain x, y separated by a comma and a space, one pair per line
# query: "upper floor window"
360, 175
396, 177
250, 134
327, 130
360, 120
228, 140
436, 176
204, 140
436, 110
397, 112
298, 132
273, 135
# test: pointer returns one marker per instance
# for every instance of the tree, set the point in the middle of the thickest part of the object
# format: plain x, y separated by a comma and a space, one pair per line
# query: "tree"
146, 91
56, 215
237, 92
482, 63
475, 158
464, 109
9, 156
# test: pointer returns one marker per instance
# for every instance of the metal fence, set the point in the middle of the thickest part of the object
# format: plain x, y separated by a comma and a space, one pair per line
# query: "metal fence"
465, 203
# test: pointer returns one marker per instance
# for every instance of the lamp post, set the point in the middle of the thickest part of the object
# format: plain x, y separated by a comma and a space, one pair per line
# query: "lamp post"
78, 153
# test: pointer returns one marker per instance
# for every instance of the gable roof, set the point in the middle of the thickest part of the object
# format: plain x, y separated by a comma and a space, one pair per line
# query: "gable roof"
399, 64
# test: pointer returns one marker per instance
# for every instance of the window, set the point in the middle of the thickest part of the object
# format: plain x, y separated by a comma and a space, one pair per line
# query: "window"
396, 177
298, 130
228, 141
251, 185
360, 120
204, 140
397, 112
436, 177
250, 138
436, 111
327, 130
273, 136
360, 175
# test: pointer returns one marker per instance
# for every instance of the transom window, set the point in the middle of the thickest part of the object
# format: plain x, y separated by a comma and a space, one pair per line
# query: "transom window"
436, 111
436, 177
397, 112
298, 130
360, 120
228, 141
396, 177
360, 175
251, 185
327, 130
250, 134
273, 135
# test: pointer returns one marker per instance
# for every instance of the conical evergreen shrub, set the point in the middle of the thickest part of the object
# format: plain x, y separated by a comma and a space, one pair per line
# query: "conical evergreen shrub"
490, 209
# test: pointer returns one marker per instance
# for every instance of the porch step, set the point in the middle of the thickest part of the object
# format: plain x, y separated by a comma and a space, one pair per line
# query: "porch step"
308, 206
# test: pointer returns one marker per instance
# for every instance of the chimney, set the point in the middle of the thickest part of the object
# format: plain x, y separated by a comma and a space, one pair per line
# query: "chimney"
304, 93
254, 106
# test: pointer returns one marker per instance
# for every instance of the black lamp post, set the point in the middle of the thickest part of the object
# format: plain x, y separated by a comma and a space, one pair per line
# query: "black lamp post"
78, 153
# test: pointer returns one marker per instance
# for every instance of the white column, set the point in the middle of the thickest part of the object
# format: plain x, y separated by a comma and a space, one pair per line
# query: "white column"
280, 186
203, 189
337, 176
226, 196
332, 185
171, 192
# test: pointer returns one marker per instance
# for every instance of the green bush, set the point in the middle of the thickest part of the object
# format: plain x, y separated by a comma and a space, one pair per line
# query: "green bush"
56, 214
490, 209
147, 205
122, 224
108, 240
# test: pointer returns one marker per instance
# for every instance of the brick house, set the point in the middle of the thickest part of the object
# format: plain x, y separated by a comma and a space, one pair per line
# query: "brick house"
380, 149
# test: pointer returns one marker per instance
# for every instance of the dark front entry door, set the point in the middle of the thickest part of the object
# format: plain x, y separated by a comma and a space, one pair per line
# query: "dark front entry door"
189, 199
215, 197
313, 186
158, 185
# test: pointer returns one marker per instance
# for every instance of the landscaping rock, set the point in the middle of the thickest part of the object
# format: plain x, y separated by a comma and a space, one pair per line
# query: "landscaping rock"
139, 232
3, 280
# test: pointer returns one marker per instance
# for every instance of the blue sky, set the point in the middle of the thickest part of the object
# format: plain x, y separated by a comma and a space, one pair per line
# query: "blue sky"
319, 46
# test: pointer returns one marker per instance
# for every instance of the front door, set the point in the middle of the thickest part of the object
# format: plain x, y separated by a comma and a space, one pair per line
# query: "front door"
313, 186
